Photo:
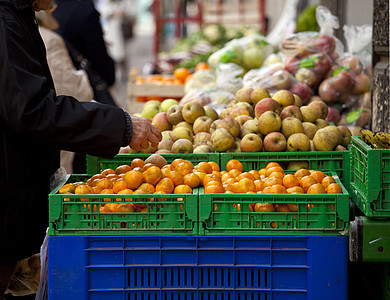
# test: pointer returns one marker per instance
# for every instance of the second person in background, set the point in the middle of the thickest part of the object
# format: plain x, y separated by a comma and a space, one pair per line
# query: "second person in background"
119, 17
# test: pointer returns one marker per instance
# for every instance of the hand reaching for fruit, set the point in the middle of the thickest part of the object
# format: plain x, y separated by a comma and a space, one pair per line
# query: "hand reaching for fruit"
144, 132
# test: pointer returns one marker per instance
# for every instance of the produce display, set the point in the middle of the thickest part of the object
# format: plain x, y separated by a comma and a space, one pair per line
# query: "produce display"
253, 122
376, 140
198, 46
156, 176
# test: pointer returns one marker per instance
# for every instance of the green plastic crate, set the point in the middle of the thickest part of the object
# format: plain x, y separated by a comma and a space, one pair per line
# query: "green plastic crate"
317, 214
97, 164
325, 161
370, 179
76, 217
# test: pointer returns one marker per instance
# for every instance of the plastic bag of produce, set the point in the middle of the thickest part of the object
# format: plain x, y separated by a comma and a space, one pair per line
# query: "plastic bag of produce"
275, 78
215, 98
248, 52
202, 79
358, 114
309, 55
350, 75
229, 77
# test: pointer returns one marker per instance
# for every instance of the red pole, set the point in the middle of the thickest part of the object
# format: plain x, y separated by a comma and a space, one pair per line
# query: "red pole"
263, 26
156, 13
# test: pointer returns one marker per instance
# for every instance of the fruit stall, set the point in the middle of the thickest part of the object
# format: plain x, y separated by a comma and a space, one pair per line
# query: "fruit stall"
269, 181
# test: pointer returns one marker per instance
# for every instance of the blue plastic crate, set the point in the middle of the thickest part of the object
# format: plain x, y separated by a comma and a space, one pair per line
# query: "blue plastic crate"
198, 267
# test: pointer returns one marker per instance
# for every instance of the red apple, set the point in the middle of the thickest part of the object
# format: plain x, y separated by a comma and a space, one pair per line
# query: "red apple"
275, 142
302, 90
361, 84
333, 115
160, 120
266, 104
342, 82
325, 44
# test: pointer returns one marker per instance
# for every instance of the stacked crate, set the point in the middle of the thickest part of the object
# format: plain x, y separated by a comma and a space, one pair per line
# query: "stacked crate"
370, 191
207, 246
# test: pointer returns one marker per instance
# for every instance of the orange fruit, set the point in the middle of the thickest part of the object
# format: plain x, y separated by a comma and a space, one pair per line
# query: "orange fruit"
110, 207
293, 207
318, 175
147, 166
191, 180
176, 177
281, 207
290, 181
262, 171
230, 181
137, 163
67, 188
176, 162
301, 173
107, 171
201, 176
188, 78
246, 185
225, 177
204, 167
255, 174
234, 164
259, 185
214, 166
182, 189
327, 181
146, 188
317, 188
165, 185
273, 169
234, 173
181, 74
264, 207
210, 177
272, 165
104, 183
107, 192
272, 181
246, 175
119, 185
334, 188
122, 169
184, 168
214, 189
165, 170
306, 182
152, 175
83, 189
201, 66
266, 190
125, 192
295, 190
125, 207
276, 174
133, 179
278, 189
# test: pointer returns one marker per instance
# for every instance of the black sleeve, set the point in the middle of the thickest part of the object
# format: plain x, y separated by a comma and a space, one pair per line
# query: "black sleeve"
30, 108
95, 47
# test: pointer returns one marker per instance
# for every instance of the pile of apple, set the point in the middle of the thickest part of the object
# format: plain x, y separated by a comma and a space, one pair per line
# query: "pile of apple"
254, 122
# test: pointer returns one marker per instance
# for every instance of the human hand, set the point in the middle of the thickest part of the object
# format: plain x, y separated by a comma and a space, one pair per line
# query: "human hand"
38, 5
144, 132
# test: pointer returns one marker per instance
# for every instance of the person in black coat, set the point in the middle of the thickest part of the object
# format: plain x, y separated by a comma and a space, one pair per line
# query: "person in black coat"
80, 26
35, 125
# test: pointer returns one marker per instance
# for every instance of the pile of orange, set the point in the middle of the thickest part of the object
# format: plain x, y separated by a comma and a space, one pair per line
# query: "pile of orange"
269, 180
179, 177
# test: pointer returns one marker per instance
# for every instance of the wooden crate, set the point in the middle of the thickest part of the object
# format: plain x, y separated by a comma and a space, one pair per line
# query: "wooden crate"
136, 89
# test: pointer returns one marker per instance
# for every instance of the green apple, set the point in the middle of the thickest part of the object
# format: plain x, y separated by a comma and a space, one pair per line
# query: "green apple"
151, 110
167, 103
